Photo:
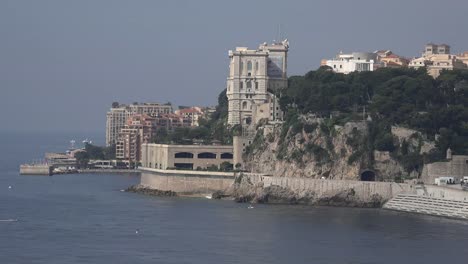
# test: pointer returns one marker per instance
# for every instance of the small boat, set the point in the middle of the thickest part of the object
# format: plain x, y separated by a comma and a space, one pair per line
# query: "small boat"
208, 197
250, 207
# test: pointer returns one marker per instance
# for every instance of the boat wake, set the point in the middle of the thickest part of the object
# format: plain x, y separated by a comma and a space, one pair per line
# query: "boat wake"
8, 220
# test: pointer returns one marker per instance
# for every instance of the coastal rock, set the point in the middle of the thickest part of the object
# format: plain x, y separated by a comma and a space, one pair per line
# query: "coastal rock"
148, 191
315, 151
244, 191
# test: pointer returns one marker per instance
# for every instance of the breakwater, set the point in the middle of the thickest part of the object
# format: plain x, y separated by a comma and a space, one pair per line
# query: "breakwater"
36, 169
186, 182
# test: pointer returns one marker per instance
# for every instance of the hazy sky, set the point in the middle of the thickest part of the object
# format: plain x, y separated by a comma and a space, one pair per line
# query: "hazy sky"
62, 63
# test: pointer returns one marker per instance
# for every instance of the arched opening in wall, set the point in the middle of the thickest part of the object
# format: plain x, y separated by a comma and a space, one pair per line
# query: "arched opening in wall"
226, 156
368, 175
248, 120
183, 155
207, 155
244, 105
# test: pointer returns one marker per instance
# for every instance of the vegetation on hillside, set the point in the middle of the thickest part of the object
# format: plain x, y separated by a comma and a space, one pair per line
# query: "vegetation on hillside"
404, 97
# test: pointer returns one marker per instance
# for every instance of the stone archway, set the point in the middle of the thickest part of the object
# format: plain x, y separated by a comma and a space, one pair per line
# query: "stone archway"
367, 175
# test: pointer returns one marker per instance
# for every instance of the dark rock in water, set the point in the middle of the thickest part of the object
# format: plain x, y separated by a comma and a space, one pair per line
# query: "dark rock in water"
219, 195
148, 191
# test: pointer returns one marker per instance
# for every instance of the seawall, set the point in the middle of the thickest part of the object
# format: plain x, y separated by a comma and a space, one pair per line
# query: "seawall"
271, 189
36, 169
186, 182
107, 171
432, 200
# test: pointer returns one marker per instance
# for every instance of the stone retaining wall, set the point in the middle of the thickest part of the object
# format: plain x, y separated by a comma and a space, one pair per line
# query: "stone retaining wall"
186, 182
363, 190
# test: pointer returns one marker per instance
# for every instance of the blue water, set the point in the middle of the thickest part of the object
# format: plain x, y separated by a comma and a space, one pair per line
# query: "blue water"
87, 219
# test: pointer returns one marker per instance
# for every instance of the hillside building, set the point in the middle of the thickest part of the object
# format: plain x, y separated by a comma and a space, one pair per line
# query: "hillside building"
253, 76
192, 113
437, 58
356, 61
391, 60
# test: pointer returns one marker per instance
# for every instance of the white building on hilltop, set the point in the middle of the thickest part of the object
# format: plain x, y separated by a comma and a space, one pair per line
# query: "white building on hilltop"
252, 74
356, 61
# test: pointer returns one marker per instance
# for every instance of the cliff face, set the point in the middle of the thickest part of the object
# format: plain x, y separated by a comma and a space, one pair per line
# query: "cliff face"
315, 149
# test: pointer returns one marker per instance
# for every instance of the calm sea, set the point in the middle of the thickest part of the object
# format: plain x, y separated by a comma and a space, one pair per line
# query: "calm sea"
87, 219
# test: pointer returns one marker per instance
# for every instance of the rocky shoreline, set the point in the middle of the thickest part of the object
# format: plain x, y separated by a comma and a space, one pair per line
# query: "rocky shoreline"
253, 188
148, 191
244, 191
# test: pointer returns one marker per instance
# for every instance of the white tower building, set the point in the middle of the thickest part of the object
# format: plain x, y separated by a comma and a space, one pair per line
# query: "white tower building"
253, 75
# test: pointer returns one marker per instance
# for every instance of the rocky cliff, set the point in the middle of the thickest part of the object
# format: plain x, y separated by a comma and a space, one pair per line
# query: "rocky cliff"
317, 148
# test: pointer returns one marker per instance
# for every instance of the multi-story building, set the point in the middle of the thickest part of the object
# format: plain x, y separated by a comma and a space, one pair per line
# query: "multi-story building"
356, 61
116, 120
140, 128
128, 146
171, 121
118, 115
391, 60
192, 113
151, 109
161, 156
253, 75
437, 58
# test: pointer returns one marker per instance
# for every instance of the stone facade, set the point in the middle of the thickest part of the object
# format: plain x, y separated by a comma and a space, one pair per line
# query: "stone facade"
186, 182
161, 156
251, 74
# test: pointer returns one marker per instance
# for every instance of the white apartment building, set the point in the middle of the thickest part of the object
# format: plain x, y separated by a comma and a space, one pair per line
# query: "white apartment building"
252, 74
356, 61
116, 120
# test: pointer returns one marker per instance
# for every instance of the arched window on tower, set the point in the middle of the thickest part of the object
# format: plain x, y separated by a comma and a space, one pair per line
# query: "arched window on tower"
249, 66
244, 105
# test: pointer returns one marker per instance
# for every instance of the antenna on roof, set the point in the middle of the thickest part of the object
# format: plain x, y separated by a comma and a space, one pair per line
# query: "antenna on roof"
278, 36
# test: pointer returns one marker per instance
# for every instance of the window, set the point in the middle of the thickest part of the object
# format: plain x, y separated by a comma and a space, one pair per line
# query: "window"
241, 67
207, 155
249, 66
256, 67
226, 156
241, 85
249, 85
183, 155
244, 105
341, 66
334, 66
256, 85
